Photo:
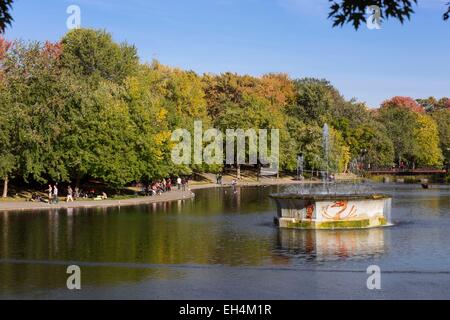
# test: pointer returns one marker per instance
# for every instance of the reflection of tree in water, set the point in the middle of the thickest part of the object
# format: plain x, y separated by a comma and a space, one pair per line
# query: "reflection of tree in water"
25, 278
161, 234
331, 245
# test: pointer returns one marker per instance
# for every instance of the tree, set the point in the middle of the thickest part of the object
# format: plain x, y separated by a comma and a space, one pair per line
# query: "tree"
354, 11
149, 113
443, 103
94, 55
278, 88
354, 112
431, 104
32, 81
254, 112
370, 136
112, 141
426, 150
227, 89
442, 118
314, 100
415, 136
7, 154
403, 102
400, 123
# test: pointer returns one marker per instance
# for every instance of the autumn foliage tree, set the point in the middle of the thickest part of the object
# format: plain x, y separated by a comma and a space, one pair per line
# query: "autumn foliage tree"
403, 102
85, 108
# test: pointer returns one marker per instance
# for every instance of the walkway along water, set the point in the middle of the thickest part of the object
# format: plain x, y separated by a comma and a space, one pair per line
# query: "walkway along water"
165, 197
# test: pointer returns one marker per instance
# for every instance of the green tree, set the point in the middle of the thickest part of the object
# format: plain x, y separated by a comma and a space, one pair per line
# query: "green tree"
149, 113
314, 100
426, 142
32, 80
442, 118
400, 123
93, 54
361, 132
112, 140
7, 152
415, 136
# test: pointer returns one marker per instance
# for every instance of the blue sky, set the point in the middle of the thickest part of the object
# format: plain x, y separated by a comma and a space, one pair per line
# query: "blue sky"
260, 36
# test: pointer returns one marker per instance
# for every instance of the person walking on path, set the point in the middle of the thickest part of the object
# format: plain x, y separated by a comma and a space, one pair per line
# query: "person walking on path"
50, 193
184, 184
179, 183
55, 194
69, 194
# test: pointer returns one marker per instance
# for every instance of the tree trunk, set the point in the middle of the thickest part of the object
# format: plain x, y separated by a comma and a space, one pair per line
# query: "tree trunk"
5, 187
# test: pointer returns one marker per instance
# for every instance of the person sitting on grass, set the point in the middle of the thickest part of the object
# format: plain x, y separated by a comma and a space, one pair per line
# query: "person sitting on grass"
35, 198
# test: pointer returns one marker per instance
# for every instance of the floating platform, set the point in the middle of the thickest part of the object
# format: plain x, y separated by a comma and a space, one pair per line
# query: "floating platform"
332, 211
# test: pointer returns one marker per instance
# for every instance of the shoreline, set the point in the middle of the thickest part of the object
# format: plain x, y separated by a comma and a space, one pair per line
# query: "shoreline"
85, 204
172, 196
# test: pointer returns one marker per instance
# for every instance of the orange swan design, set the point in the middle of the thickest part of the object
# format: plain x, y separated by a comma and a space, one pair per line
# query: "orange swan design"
343, 214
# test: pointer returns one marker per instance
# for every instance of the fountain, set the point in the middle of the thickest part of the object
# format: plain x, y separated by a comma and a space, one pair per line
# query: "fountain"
323, 209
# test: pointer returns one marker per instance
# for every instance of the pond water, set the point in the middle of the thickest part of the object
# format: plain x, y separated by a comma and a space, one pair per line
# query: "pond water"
224, 245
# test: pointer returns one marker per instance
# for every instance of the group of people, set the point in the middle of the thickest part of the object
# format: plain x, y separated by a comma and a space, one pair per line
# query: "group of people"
72, 194
164, 185
53, 194
158, 187
154, 188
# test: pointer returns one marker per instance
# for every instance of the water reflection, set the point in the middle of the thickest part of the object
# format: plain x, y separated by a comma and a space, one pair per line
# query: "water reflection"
217, 231
332, 245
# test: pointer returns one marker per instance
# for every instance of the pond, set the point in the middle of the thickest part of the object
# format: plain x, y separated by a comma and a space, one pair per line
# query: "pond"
224, 245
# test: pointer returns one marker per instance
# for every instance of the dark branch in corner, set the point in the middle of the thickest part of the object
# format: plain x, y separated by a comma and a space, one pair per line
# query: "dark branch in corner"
5, 16
354, 11
447, 14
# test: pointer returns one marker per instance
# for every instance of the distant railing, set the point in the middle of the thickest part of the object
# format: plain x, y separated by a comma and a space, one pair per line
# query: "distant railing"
407, 171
